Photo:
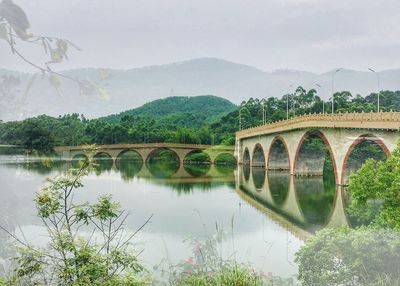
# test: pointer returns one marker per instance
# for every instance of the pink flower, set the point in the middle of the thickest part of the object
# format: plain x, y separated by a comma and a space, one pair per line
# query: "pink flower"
197, 246
189, 261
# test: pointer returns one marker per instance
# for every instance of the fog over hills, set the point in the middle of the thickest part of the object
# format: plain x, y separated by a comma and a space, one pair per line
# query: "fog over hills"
118, 90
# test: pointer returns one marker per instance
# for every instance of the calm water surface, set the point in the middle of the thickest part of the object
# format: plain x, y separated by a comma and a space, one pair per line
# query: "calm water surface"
271, 212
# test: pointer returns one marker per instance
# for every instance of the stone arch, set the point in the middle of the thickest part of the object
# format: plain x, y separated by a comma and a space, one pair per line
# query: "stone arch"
313, 166
197, 151
363, 138
258, 157
102, 153
218, 159
80, 157
128, 150
129, 167
246, 157
278, 160
154, 151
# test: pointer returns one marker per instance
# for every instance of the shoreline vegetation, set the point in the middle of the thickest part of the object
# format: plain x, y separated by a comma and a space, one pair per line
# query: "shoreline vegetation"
167, 121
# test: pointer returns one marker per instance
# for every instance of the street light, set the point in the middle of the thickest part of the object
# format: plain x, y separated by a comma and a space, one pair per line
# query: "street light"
379, 88
287, 101
323, 103
264, 111
333, 96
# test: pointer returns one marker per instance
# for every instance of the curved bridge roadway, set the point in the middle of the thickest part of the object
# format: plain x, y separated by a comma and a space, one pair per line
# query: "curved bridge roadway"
278, 144
143, 150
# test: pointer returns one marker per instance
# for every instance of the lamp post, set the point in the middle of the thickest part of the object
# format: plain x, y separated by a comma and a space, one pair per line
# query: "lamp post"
379, 83
323, 103
287, 102
333, 96
264, 112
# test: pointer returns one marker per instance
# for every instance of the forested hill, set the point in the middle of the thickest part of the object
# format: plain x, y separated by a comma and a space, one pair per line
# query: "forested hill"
205, 108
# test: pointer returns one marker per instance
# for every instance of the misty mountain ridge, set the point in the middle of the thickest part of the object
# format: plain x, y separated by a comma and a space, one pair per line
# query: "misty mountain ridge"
119, 90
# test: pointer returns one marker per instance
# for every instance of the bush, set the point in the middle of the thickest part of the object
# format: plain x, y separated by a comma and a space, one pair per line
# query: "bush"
344, 256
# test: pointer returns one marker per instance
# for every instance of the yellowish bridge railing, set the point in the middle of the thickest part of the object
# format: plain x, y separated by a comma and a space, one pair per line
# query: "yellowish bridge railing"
381, 120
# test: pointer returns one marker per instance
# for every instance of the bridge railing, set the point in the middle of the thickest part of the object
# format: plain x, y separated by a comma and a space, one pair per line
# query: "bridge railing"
362, 119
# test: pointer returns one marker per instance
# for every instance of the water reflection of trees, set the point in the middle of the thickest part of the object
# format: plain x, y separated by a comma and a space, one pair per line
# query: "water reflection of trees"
316, 199
129, 165
197, 170
258, 177
41, 167
279, 186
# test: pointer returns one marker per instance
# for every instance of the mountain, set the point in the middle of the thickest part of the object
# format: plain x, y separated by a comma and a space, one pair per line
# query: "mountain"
110, 91
205, 108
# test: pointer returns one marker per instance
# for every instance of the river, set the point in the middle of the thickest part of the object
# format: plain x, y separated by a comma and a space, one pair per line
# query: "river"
266, 216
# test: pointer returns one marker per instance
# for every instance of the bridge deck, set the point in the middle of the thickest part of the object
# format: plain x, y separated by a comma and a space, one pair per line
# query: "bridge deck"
381, 121
147, 145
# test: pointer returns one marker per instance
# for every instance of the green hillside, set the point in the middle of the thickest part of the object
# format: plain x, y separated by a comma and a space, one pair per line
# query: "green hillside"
204, 108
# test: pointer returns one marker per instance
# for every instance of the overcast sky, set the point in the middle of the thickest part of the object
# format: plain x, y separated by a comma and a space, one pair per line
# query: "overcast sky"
312, 35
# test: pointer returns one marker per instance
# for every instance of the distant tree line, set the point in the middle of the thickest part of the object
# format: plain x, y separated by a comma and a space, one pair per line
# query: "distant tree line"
44, 132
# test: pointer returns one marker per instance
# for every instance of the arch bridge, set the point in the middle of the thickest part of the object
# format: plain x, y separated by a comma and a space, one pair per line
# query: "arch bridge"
280, 145
144, 151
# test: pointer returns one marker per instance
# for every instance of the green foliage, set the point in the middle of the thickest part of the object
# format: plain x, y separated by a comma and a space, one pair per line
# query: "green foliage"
71, 257
375, 190
198, 157
203, 108
345, 256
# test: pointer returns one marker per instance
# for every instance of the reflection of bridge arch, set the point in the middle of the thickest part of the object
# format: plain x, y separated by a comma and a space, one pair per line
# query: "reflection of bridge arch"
278, 160
314, 165
258, 157
123, 152
362, 138
291, 209
161, 149
246, 157
208, 158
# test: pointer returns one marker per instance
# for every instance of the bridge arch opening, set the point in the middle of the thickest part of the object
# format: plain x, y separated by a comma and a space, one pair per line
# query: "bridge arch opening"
163, 162
278, 156
246, 157
258, 158
225, 159
364, 147
129, 163
197, 163
225, 163
197, 157
79, 159
314, 156
103, 162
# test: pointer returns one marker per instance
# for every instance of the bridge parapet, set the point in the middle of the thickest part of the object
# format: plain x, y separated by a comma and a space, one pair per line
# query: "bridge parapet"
371, 120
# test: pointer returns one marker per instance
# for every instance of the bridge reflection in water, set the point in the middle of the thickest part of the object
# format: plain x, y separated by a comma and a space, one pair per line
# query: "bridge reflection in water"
302, 205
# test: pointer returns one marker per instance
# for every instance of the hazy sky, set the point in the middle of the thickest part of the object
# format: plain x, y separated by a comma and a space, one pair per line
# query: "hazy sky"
312, 35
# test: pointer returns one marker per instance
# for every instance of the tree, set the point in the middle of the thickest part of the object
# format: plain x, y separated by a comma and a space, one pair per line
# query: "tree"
375, 192
346, 257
